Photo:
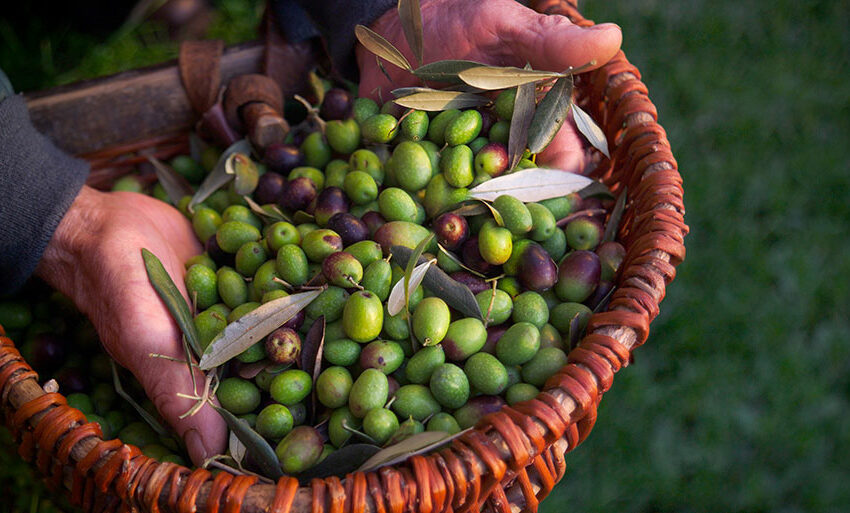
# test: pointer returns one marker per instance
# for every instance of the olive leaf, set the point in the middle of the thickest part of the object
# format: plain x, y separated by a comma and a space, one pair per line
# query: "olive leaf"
398, 299
466, 208
603, 303
340, 462
616, 216
521, 119
407, 91
149, 419
256, 446
236, 448
253, 326
175, 185
595, 136
530, 185
411, 23
497, 216
270, 214
550, 114
498, 77
219, 175
172, 298
455, 294
596, 189
457, 261
445, 71
316, 87
376, 44
411, 264
417, 444
575, 333
436, 100
311, 356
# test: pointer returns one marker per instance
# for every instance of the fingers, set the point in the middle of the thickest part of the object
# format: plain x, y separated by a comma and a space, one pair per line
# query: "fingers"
204, 433
551, 42
566, 151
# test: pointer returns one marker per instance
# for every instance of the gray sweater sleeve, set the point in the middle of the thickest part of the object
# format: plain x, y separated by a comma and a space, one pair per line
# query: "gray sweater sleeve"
38, 183
334, 20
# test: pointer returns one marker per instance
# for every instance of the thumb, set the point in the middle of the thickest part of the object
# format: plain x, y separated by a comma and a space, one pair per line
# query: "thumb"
554, 43
204, 433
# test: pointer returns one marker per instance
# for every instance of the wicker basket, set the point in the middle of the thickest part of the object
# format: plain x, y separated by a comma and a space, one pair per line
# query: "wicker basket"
513, 458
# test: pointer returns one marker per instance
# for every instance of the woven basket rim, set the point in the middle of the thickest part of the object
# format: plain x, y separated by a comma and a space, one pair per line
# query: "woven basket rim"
512, 458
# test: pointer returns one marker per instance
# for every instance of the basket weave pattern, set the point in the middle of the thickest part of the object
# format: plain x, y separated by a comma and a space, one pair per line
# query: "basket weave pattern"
513, 458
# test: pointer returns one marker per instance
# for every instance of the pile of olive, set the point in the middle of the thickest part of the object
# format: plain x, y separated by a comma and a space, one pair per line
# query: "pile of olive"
366, 179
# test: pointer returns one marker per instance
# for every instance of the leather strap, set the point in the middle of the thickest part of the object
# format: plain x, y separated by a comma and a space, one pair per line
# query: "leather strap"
200, 72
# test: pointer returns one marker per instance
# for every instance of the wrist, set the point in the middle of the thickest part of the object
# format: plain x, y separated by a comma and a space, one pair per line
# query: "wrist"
72, 241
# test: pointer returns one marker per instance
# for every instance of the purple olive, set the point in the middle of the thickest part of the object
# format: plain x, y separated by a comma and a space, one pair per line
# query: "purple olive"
578, 276
350, 228
599, 294
373, 220
283, 158
296, 322
330, 201
472, 257
492, 159
537, 271
269, 188
219, 256
475, 283
298, 195
48, 353
494, 333
477, 408
337, 104
487, 120
452, 230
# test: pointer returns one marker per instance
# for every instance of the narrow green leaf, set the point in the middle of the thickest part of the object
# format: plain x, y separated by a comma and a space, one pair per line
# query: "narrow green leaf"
236, 448
376, 44
173, 299
175, 185
411, 267
445, 71
455, 294
253, 326
588, 127
256, 446
550, 114
218, 177
270, 214
411, 22
616, 216
340, 462
417, 444
399, 298
498, 77
143, 413
311, 357
523, 113
530, 185
441, 100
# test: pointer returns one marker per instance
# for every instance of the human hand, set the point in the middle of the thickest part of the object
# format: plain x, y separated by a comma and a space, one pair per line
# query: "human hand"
501, 33
95, 258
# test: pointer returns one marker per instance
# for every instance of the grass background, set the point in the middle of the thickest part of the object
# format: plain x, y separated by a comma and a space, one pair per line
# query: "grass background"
739, 401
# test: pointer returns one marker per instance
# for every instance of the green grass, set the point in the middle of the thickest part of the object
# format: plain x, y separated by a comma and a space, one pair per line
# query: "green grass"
739, 400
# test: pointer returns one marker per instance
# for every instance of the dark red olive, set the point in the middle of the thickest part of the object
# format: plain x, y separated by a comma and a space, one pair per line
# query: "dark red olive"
331, 201
475, 283
452, 230
296, 321
393, 386
599, 294
283, 158
373, 220
537, 271
269, 188
283, 346
350, 228
487, 120
298, 194
337, 104
611, 255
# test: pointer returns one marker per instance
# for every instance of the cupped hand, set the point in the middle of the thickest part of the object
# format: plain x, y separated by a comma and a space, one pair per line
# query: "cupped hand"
498, 32
95, 258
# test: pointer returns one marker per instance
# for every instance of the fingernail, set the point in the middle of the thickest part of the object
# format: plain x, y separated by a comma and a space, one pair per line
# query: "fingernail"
603, 26
195, 446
